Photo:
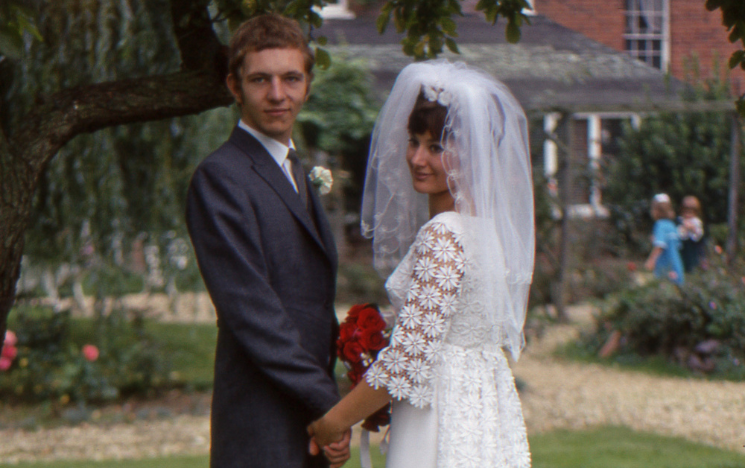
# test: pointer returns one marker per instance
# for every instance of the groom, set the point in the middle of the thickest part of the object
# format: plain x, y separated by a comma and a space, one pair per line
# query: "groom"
268, 259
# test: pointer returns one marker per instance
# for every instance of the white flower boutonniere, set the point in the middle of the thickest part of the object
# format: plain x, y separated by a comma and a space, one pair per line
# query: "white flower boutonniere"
321, 178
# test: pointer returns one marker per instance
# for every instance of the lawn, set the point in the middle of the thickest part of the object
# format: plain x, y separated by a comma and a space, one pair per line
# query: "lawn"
608, 447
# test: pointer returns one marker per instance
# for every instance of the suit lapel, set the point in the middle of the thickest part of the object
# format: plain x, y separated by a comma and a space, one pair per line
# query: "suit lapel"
268, 169
322, 222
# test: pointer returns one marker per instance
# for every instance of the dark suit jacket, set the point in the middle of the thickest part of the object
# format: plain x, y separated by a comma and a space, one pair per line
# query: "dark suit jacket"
270, 270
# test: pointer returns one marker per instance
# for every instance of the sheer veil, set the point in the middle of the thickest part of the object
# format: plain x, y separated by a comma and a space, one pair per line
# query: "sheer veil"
489, 177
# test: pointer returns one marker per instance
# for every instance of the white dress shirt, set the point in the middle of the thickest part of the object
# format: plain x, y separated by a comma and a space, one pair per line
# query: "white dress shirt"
277, 150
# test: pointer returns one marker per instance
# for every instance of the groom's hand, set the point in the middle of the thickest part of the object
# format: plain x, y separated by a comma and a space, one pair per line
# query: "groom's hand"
337, 453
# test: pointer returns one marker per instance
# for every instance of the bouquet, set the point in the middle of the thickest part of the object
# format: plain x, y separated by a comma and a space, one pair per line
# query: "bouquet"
361, 336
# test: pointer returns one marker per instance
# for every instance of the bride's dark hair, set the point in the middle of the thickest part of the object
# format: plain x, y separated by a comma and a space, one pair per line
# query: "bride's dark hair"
427, 116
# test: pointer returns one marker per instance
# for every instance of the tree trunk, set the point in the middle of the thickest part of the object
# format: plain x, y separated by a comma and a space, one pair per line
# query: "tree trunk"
18, 185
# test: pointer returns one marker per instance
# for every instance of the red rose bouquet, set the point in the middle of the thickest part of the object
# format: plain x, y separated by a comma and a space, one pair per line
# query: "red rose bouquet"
361, 336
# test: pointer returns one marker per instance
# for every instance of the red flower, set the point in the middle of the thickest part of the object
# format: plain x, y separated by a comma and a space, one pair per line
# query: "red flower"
361, 334
352, 352
9, 351
354, 376
346, 331
372, 340
370, 319
90, 352
5, 363
354, 312
10, 338
382, 417
631, 266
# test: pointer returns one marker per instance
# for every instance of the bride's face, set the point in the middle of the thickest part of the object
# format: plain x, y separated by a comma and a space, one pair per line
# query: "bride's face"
427, 161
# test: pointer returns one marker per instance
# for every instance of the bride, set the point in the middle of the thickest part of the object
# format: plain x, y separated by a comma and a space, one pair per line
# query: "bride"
448, 200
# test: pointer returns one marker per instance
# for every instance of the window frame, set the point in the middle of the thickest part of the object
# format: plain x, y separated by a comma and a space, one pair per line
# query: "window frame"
637, 39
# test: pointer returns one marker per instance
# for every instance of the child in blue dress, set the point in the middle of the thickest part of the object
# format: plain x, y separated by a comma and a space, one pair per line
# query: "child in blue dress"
665, 258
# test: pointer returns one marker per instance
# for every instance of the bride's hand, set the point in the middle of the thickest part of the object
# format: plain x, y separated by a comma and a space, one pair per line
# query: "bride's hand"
324, 431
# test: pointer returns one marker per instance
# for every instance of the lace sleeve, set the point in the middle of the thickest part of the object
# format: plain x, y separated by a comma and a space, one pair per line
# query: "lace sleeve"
405, 366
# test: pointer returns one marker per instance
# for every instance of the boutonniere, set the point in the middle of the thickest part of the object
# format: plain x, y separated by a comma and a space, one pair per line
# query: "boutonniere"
321, 178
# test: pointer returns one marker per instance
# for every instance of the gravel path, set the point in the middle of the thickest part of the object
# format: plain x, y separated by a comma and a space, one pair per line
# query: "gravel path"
570, 395
558, 394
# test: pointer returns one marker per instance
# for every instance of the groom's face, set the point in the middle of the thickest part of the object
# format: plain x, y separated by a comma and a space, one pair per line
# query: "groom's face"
271, 90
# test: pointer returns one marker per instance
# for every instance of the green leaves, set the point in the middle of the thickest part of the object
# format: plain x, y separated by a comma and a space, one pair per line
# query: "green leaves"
323, 59
428, 24
16, 18
733, 18
737, 58
512, 10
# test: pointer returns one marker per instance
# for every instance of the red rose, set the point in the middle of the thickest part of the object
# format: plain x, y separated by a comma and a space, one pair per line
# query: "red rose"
352, 352
373, 340
354, 376
346, 330
370, 319
90, 352
9, 352
382, 417
354, 312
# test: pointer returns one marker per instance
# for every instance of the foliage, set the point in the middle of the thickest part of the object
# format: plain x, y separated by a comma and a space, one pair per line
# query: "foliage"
429, 25
16, 18
56, 362
589, 277
676, 153
105, 189
359, 282
733, 18
341, 109
700, 325
191, 351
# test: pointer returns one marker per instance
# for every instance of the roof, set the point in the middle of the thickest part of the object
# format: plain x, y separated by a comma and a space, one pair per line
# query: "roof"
551, 68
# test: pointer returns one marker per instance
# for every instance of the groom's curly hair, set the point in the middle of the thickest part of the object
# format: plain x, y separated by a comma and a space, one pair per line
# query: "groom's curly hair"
270, 31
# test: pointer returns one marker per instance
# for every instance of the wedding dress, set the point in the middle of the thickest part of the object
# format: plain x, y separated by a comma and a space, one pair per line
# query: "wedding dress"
455, 401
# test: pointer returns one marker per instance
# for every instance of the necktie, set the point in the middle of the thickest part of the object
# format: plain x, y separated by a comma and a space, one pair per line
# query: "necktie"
299, 175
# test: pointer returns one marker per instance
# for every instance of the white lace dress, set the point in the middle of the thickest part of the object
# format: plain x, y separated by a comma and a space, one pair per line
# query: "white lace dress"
455, 402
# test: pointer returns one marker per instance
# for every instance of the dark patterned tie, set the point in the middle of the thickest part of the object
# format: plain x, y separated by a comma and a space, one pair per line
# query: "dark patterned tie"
299, 175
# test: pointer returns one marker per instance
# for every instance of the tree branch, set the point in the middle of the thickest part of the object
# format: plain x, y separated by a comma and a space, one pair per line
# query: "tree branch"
199, 46
86, 109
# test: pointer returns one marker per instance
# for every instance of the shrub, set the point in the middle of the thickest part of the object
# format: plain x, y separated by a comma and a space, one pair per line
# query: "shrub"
700, 325
61, 359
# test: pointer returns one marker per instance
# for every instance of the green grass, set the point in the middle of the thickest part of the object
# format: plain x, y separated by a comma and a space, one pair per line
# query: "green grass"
164, 462
616, 447
191, 348
607, 447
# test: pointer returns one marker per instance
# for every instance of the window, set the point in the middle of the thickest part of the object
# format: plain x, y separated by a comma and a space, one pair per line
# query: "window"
647, 36
336, 9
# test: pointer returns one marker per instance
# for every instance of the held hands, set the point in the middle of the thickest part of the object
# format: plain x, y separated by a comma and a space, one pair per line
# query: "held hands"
334, 441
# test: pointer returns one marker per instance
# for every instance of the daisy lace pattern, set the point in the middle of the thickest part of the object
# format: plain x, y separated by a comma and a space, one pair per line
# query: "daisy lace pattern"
406, 366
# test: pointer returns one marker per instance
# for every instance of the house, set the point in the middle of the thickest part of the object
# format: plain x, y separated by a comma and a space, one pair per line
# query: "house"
666, 34
552, 71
